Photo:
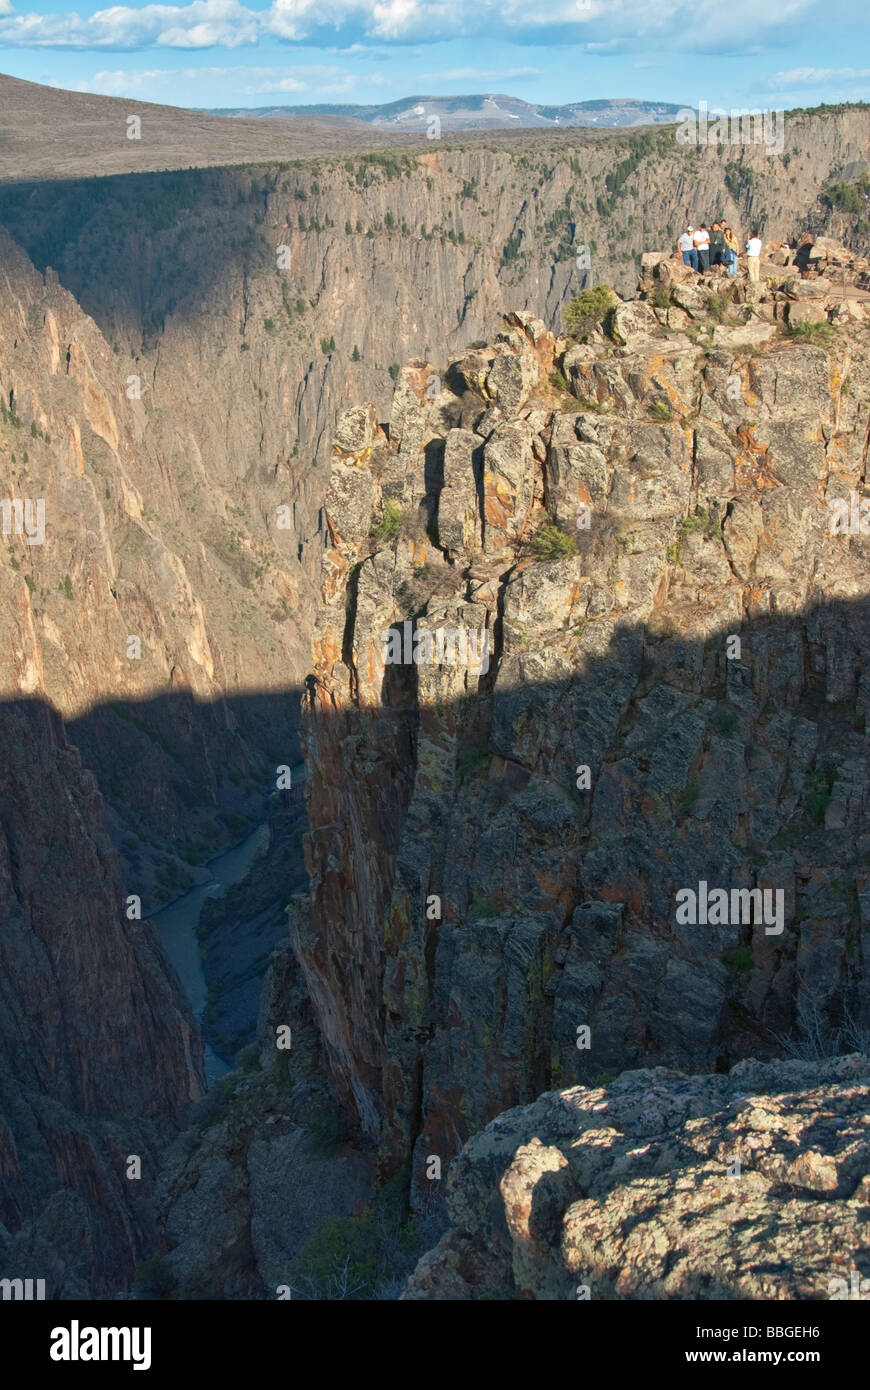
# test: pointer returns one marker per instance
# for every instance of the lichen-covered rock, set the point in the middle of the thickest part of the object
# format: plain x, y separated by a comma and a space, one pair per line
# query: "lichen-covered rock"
633, 323
752, 1185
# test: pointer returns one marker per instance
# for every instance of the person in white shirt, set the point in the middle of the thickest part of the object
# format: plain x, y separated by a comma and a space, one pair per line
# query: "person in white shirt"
687, 246
753, 255
702, 246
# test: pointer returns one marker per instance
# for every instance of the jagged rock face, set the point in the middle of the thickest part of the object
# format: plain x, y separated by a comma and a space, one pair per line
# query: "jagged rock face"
754, 1185
704, 473
96, 1069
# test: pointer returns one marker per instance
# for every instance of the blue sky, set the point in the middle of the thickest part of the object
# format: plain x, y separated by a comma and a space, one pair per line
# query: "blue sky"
767, 53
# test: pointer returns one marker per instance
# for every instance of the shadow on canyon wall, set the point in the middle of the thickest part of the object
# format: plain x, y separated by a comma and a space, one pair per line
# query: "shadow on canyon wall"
557, 904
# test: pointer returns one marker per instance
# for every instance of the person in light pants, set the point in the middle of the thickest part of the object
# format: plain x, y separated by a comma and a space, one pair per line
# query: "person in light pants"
753, 256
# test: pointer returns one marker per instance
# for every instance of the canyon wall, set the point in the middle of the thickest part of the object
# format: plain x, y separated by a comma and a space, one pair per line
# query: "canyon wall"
101, 1055
171, 392
170, 379
674, 694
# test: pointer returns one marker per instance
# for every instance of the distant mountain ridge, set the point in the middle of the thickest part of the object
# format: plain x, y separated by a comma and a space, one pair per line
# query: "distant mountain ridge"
493, 111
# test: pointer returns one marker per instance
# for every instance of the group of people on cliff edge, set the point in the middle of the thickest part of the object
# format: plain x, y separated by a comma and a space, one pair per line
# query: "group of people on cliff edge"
703, 248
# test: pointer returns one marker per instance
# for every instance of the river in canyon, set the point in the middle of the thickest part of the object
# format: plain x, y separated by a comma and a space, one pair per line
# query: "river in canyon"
177, 925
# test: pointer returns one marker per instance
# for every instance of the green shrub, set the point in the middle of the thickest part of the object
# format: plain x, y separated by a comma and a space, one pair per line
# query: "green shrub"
818, 334
389, 528
154, 1278
725, 719
695, 521
844, 197
659, 410
718, 305
551, 543
741, 959
362, 1257
484, 907
468, 763
588, 311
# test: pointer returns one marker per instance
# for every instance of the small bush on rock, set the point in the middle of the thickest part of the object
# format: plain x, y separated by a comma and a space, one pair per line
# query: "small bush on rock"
588, 311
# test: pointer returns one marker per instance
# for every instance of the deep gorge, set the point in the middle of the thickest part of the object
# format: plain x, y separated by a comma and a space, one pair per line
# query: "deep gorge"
171, 391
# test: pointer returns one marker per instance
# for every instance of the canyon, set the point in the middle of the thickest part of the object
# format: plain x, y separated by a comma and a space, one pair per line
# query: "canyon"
400, 387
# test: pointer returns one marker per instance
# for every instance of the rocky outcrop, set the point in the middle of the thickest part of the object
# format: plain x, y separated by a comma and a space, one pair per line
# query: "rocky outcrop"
661, 688
754, 1185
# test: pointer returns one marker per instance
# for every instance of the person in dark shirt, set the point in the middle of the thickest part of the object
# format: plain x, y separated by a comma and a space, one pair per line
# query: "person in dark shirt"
717, 244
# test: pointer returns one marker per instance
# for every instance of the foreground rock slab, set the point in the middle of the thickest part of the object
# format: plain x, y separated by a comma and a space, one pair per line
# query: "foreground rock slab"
751, 1185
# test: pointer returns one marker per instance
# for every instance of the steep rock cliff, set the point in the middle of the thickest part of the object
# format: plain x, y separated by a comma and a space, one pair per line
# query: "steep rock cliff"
701, 455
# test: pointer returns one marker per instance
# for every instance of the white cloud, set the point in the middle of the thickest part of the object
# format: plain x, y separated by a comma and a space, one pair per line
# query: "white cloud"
312, 78
201, 24
609, 25
244, 81
478, 74
814, 77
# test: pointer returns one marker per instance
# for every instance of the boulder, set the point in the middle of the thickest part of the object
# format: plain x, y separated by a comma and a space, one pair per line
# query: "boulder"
677, 319
672, 272
806, 311
509, 483
742, 335
511, 380
659, 1185
810, 289
471, 371
355, 430
633, 323
691, 299
847, 311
